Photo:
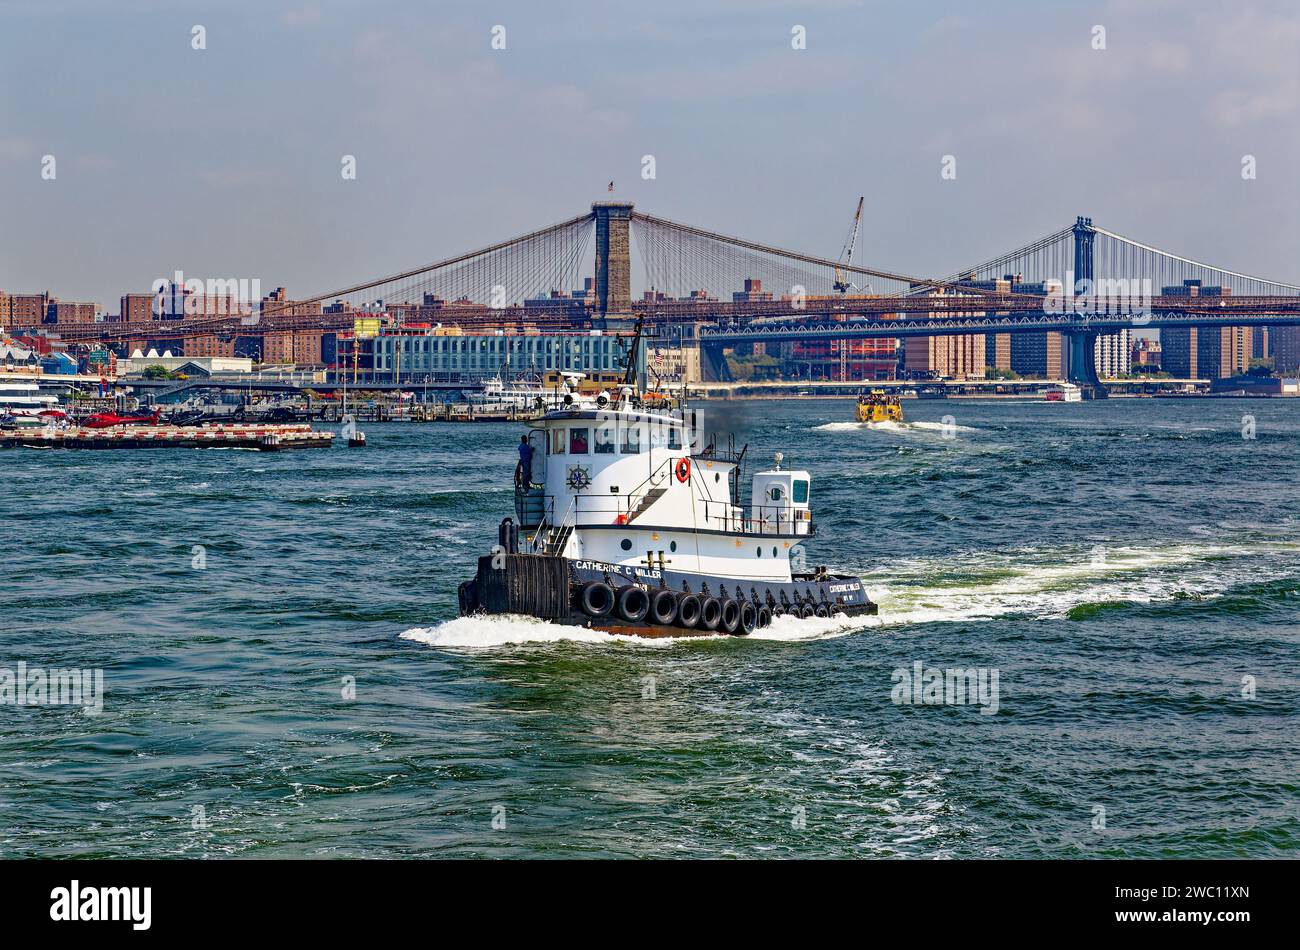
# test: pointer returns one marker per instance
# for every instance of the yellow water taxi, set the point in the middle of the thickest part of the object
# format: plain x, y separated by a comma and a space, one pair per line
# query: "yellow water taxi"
879, 406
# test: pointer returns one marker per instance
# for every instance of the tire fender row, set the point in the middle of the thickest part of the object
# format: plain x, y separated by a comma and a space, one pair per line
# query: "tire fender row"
732, 612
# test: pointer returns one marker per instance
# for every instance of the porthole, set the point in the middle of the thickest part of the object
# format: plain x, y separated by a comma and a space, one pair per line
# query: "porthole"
760, 552
672, 546
626, 544
717, 477
774, 551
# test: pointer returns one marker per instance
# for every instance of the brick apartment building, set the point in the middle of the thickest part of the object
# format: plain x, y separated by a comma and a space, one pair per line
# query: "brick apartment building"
1204, 352
25, 311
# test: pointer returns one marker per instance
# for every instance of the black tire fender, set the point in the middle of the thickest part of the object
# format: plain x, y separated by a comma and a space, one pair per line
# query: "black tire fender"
688, 610
730, 621
468, 596
710, 613
633, 603
663, 607
596, 599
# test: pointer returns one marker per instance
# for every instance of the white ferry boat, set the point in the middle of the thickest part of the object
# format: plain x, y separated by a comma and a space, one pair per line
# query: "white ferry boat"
628, 521
25, 404
499, 395
1063, 392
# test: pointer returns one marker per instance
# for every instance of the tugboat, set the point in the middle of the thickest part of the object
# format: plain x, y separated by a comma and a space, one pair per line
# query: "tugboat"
629, 522
879, 406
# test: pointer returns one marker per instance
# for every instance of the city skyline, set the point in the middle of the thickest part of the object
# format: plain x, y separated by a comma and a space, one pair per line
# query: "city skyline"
231, 168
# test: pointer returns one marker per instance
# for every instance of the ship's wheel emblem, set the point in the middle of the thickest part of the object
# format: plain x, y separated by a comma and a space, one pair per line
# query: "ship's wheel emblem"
579, 477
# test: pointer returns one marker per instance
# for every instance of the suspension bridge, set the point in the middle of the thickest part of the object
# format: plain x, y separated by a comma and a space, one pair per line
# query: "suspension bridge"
722, 291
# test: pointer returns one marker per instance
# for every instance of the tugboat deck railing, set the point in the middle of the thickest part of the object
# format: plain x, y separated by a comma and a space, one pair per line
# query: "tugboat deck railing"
608, 511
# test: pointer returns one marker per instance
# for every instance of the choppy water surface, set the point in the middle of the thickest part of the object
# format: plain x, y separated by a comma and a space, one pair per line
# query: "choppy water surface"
1121, 565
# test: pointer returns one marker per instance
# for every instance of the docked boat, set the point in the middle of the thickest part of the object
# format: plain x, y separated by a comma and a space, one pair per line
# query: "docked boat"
25, 404
879, 406
628, 521
501, 396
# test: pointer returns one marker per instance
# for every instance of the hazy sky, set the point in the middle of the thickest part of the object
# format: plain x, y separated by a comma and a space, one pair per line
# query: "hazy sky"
225, 162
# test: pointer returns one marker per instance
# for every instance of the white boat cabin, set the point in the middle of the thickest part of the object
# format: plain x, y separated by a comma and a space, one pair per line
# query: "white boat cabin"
623, 484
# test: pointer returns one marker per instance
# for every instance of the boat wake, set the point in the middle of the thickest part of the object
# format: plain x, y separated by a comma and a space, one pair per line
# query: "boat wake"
1050, 585
891, 427
792, 629
489, 631
939, 427
485, 631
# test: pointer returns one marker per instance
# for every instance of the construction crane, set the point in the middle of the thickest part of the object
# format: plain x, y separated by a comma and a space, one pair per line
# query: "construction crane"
846, 255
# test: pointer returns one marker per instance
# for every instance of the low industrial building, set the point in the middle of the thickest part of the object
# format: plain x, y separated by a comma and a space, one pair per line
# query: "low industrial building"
138, 362
412, 353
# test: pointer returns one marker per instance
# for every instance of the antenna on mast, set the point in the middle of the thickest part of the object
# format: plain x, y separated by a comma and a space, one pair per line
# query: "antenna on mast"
633, 367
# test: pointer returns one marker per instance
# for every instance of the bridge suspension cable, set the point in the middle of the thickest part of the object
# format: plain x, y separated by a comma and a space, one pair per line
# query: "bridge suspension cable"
680, 259
550, 258
1120, 256
1047, 258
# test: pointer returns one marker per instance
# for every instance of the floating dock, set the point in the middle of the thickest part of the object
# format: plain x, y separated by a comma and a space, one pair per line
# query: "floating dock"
266, 437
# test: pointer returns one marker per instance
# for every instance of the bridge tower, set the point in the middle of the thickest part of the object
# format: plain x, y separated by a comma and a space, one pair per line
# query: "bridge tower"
1082, 352
1083, 238
613, 262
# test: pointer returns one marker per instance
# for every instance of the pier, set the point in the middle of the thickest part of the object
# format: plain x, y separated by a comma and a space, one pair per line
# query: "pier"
264, 438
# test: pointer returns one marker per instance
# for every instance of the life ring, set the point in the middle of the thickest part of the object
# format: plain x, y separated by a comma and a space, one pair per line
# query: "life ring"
682, 469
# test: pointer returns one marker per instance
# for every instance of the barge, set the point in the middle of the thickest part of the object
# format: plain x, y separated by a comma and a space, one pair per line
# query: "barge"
264, 437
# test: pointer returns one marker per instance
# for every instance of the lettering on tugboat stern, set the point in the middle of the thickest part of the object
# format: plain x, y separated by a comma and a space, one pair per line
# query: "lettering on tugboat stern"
615, 568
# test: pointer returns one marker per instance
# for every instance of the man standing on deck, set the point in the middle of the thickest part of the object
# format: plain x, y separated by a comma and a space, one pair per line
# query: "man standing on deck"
523, 471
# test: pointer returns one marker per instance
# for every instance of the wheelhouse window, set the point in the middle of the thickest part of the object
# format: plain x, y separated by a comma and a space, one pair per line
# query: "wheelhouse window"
800, 491
631, 440
674, 439
578, 441
557, 441
606, 439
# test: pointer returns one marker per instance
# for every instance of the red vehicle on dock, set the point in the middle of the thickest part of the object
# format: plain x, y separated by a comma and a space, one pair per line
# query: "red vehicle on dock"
106, 420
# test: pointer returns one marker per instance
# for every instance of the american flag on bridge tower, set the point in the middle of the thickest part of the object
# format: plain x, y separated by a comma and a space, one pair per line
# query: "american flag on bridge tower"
611, 186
